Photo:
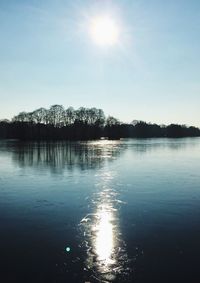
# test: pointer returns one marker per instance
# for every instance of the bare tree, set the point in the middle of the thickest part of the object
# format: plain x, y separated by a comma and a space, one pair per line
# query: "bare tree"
69, 116
21, 117
111, 121
56, 115
40, 115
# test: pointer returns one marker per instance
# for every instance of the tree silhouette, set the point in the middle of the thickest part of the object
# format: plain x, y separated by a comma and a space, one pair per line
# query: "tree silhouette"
57, 123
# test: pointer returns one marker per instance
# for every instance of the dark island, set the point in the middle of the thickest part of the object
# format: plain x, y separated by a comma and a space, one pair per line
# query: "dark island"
58, 123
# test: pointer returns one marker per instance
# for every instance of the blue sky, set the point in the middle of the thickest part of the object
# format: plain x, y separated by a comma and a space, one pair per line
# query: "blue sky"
48, 57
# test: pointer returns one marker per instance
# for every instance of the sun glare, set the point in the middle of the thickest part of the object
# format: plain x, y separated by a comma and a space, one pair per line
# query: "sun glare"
104, 31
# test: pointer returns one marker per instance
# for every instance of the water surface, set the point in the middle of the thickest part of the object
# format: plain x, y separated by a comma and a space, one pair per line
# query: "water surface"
100, 211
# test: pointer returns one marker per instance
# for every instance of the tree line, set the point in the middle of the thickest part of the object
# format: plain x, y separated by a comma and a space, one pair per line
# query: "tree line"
58, 123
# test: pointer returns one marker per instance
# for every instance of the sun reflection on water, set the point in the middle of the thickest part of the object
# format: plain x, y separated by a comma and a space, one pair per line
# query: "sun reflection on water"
106, 253
104, 240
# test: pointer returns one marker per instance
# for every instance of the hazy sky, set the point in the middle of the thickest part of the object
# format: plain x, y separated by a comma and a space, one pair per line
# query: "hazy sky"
47, 57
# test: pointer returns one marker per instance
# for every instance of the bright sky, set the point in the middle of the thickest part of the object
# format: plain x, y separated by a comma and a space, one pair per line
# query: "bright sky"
148, 70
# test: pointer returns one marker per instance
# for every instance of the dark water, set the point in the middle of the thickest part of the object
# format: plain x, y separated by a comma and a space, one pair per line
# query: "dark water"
103, 211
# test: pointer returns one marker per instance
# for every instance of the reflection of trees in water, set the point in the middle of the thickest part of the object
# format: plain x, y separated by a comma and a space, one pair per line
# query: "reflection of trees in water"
60, 155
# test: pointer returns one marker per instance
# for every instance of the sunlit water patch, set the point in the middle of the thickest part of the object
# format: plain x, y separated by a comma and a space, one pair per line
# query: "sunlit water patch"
106, 251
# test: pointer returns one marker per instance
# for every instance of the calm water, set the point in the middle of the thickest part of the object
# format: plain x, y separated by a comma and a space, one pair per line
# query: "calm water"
103, 211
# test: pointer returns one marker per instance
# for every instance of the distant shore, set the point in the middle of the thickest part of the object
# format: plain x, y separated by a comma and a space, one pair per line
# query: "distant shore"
58, 123
79, 131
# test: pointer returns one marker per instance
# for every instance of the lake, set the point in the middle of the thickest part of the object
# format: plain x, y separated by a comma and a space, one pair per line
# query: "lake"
100, 211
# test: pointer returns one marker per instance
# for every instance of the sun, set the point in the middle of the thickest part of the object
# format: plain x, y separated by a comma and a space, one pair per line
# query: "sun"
104, 31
